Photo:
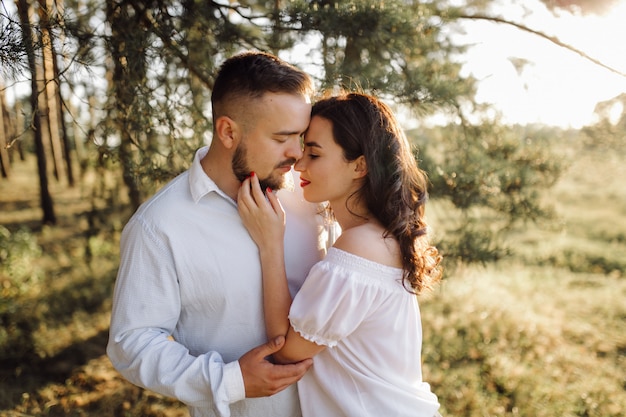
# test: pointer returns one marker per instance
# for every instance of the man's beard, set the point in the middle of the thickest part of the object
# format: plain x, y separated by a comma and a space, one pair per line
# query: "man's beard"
242, 170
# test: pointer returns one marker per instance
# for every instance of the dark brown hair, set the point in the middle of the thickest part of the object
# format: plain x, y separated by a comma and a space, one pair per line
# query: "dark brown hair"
249, 75
395, 189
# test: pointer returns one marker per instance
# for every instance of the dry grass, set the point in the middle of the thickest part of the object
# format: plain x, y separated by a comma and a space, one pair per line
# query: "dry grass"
543, 333
510, 340
59, 323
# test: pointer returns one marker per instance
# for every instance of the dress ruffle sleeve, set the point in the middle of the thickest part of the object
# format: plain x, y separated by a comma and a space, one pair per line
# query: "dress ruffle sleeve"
340, 293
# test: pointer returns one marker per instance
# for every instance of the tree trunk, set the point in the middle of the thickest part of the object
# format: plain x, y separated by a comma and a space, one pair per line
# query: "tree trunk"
128, 71
48, 93
5, 138
47, 206
18, 128
58, 97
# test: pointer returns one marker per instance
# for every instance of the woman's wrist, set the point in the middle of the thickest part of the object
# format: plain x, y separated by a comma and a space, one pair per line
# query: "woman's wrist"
272, 254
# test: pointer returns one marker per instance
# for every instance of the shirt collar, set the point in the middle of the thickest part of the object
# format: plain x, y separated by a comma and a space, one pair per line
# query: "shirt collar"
200, 184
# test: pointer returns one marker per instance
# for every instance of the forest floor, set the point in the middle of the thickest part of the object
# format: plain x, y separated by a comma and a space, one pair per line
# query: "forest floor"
61, 368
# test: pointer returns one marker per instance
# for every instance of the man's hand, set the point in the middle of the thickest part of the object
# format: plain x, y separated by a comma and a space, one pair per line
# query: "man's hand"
263, 378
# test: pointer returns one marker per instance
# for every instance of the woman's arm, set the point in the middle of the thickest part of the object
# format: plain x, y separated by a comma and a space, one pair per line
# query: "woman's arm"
297, 348
265, 220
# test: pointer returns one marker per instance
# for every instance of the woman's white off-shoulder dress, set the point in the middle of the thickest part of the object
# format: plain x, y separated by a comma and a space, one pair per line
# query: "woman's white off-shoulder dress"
372, 328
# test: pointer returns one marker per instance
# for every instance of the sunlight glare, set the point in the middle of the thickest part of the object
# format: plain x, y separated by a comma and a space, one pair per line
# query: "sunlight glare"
531, 80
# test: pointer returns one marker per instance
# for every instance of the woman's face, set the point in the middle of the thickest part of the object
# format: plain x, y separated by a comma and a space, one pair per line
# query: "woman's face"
324, 173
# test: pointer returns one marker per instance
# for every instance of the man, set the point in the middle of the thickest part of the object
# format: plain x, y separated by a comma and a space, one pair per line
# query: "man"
187, 318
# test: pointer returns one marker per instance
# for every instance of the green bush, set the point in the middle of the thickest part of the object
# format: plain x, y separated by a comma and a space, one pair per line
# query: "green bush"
18, 270
19, 275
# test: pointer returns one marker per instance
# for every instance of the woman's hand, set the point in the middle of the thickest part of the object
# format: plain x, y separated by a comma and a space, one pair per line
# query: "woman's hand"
263, 217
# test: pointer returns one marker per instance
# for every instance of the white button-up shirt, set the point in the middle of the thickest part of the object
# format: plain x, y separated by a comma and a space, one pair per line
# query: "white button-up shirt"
190, 270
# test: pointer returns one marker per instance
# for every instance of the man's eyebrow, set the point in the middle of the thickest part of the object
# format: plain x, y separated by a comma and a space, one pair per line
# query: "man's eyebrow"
287, 133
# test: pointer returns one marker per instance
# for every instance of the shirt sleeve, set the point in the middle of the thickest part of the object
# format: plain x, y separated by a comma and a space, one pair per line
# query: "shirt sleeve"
146, 307
331, 304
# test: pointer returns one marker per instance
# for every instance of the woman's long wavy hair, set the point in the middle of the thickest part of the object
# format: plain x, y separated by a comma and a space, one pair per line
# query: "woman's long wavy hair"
394, 189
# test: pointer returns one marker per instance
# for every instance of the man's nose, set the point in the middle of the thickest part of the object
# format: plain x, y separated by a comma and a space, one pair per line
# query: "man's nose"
295, 149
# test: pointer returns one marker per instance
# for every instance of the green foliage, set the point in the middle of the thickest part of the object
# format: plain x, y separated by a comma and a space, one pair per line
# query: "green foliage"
19, 276
393, 48
610, 130
407, 56
12, 51
493, 167
493, 176
159, 59
589, 198
19, 273
600, 261
37, 299
509, 340
472, 243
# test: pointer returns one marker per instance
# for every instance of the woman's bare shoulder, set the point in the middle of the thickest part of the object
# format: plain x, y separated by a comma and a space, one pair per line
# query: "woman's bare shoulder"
367, 241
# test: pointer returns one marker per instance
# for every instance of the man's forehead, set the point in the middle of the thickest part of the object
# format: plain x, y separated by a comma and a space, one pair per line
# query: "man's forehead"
272, 95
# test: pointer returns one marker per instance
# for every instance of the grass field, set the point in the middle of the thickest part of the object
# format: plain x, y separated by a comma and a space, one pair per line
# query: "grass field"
542, 333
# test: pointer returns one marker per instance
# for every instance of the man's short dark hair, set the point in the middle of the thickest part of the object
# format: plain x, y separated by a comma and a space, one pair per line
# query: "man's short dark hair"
249, 75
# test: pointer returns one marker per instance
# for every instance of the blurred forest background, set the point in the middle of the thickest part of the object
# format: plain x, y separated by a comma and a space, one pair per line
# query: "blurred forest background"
530, 319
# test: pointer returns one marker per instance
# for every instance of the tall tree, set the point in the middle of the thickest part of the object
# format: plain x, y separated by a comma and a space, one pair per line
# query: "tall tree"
47, 206
48, 96
128, 44
5, 136
52, 10
395, 48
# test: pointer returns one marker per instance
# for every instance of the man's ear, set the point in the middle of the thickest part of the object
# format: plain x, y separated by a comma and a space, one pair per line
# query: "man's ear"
227, 131
360, 167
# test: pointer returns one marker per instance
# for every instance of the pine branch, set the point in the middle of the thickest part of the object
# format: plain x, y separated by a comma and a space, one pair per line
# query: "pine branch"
552, 39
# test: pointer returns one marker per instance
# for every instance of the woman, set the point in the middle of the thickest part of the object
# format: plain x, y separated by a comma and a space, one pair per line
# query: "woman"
357, 311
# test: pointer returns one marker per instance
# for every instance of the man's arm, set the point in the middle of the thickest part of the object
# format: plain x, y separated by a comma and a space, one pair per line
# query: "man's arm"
185, 380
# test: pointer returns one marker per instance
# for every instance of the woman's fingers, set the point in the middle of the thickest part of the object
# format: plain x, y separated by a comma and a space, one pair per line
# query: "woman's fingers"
244, 199
263, 217
256, 203
257, 193
275, 203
